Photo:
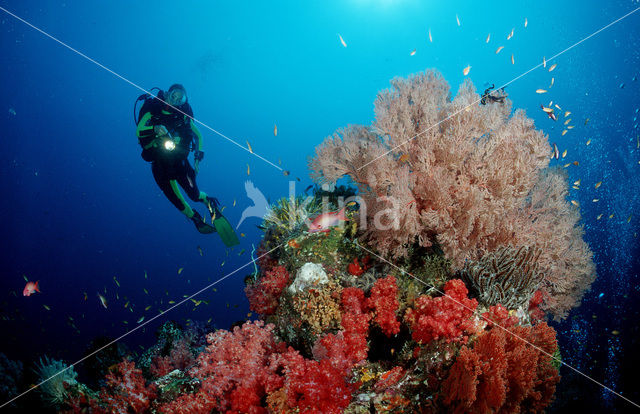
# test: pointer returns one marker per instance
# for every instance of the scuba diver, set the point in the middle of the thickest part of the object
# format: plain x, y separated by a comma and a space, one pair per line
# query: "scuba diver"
167, 134
488, 96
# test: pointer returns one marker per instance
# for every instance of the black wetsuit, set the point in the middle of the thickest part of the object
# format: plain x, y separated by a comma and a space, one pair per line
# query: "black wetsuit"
171, 167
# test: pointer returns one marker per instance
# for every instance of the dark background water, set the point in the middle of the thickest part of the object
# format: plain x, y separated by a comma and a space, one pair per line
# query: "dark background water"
80, 206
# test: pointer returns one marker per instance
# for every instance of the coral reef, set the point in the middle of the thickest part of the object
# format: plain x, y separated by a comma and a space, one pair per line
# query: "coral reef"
476, 210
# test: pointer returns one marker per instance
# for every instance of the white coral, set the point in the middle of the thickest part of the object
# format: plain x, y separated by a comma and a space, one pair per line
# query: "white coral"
310, 274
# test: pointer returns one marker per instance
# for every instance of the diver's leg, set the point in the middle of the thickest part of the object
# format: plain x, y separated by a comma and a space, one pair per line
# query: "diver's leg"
170, 189
187, 180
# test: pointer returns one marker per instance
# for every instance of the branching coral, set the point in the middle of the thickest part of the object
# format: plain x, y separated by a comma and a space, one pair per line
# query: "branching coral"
506, 276
469, 177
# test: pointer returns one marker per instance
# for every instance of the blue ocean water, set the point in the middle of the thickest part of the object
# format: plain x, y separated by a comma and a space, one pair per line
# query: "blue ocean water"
81, 210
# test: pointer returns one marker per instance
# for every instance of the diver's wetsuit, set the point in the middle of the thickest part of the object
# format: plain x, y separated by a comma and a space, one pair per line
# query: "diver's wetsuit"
172, 167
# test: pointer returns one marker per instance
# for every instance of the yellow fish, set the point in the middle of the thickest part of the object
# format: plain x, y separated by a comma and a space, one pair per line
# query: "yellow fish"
629, 218
499, 49
234, 203
595, 200
599, 217
552, 67
242, 234
413, 52
510, 34
567, 113
249, 314
611, 216
85, 295
145, 275
564, 153
457, 20
147, 308
466, 70
140, 320
552, 82
171, 302
513, 62
249, 146
586, 120
46, 307
275, 130
577, 182
564, 132
103, 300
116, 280
541, 91
25, 278
575, 203
248, 170
526, 22
126, 304
569, 126
241, 251
180, 270
566, 165
488, 38
567, 121
589, 141
342, 41
145, 291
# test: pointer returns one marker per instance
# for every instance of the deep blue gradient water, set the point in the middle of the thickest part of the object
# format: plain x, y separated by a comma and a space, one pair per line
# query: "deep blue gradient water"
80, 207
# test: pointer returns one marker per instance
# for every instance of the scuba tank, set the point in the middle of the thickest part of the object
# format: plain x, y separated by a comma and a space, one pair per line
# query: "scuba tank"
149, 101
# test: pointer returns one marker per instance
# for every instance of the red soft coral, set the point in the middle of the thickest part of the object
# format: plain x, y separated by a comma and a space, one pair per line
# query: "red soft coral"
499, 315
126, 390
315, 387
446, 317
503, 372
384, 301
236, 369
263, 295
355, 322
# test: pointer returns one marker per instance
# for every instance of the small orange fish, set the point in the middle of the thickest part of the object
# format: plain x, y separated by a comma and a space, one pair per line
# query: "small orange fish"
413, 52
404, 158
466, 70
499, 49
275, 130
30, 288
488, 38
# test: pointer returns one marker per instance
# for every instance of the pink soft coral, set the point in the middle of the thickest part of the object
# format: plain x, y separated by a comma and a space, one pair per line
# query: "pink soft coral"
446, 317
126, 391
470, 177
384, 301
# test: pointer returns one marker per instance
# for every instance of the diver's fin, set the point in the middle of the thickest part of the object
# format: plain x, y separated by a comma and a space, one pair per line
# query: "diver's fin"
224, 229
202, 227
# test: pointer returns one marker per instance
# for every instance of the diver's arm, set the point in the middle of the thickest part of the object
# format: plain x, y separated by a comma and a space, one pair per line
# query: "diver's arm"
145, 132
197, 134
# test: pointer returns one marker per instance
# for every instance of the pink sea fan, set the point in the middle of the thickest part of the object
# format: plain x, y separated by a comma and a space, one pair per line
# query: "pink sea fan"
470, 177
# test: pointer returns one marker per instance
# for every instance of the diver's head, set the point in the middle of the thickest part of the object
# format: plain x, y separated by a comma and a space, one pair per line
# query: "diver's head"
176, 95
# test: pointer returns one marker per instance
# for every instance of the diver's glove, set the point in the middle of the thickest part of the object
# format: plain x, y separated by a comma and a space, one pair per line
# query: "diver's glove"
160, 130
198, 155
